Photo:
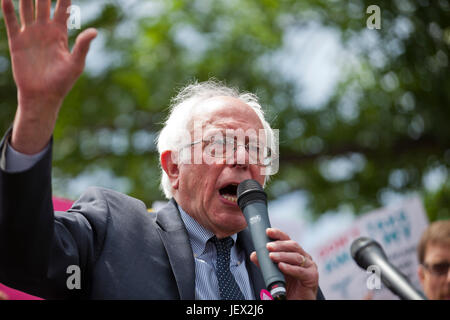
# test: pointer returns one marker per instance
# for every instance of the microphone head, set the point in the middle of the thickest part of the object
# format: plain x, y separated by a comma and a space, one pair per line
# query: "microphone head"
248, 191
361, 250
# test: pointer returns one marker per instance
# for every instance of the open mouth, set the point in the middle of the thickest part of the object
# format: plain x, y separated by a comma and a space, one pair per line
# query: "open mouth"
229, 192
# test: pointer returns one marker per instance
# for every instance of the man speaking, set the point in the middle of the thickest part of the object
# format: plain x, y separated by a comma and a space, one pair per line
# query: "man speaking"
196, 247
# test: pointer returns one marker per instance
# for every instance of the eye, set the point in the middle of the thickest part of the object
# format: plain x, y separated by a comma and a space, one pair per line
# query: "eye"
215, 147
441, 268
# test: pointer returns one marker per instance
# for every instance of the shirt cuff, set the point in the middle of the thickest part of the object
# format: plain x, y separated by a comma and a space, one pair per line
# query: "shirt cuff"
18, 162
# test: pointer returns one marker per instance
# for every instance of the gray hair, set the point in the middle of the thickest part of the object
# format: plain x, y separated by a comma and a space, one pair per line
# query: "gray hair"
185, 105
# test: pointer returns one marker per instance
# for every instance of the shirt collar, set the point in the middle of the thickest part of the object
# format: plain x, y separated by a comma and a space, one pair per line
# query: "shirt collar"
198, 235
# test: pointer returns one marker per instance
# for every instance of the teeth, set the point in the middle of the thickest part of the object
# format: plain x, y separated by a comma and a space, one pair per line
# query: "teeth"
230, 198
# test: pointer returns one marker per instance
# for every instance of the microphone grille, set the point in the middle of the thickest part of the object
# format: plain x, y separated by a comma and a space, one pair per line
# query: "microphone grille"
250, 190
359, 244
361, 248
248, 185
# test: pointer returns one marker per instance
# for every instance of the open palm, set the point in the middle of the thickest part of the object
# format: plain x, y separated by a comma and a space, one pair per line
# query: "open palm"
44, 69
43, 66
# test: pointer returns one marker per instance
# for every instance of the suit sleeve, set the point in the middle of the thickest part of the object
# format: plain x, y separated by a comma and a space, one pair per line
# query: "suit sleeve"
37, 245
320, 295
16, 161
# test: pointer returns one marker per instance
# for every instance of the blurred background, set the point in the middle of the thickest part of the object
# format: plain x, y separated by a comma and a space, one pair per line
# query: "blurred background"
363, 113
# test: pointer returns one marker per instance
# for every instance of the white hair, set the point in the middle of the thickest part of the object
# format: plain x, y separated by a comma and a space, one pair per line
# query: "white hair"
185, 105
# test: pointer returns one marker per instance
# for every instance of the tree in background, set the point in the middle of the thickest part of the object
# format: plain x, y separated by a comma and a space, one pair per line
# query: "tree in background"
383, 131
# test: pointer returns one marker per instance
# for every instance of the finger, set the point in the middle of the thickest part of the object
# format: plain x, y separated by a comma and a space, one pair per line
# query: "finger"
286, 246
43, 10
61, 12
292, 258
26, 12
254, 258
12, 26
277, 234
81, 46
308, 277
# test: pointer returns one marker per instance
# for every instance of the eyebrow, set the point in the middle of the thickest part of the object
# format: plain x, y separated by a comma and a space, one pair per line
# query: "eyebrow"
436, 262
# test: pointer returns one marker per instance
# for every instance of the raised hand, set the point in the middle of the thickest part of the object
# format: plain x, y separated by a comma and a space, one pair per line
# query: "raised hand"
44, 69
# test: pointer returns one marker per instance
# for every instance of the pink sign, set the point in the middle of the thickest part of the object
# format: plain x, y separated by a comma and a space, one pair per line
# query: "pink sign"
59, 204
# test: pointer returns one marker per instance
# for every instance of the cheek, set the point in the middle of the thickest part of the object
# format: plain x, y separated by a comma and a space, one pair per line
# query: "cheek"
201, 181
211, 174
256, 175
434, 283
190, 182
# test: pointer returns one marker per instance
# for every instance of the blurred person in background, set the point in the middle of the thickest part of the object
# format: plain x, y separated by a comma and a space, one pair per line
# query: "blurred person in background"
434, 260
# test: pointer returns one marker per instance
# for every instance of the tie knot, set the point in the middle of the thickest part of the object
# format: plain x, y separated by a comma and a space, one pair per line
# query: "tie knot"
222, 245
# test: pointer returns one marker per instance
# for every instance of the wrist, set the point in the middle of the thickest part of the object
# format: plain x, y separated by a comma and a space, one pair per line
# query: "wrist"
38, 105
31, 132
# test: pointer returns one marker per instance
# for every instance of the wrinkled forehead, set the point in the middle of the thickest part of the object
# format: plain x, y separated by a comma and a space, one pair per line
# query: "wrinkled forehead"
224, 113
436, 251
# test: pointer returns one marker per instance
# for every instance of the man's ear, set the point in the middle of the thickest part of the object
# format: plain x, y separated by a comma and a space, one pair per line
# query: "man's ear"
421, 274
170, 167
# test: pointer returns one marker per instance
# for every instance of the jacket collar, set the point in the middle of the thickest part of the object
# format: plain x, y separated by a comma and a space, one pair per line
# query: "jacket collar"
176, 242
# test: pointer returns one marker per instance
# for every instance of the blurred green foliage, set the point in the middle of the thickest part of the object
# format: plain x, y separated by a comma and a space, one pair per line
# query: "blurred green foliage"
388, 117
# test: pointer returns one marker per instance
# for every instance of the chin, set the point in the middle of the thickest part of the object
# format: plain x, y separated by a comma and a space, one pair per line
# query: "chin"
232, 222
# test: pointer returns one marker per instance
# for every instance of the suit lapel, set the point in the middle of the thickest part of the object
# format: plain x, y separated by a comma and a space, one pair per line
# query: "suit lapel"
255, 276
176, 242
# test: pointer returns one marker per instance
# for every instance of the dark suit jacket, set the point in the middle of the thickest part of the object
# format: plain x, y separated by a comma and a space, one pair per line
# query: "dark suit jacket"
122, 250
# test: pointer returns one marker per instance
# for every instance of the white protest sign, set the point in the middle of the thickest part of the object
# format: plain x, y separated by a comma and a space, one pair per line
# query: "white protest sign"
398, 229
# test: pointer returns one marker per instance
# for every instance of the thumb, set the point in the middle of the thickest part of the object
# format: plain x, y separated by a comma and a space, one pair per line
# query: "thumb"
254, 258
81, 47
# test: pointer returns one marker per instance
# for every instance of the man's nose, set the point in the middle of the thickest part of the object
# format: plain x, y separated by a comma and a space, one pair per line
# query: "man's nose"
241, 156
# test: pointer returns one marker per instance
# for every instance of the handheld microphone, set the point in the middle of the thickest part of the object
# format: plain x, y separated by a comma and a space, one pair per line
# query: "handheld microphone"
253, 202
367, 252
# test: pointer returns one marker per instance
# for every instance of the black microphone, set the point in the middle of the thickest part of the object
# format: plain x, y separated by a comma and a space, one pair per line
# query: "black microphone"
253, 202
367, 252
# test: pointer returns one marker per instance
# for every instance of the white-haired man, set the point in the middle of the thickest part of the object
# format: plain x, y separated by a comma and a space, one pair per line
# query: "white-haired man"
196, 247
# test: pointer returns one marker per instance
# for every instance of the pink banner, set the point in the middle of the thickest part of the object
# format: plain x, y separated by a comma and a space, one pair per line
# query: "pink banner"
59, 204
